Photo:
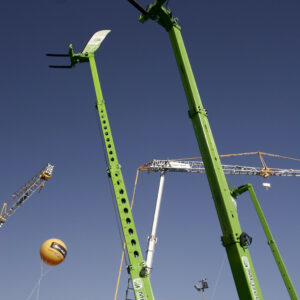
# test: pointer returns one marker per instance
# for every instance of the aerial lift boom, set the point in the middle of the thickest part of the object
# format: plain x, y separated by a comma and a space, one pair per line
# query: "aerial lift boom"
238, 254
271, 241
137, 268
18, 198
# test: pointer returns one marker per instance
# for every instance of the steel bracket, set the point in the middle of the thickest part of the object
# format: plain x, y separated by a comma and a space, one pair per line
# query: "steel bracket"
229, 240
197, 110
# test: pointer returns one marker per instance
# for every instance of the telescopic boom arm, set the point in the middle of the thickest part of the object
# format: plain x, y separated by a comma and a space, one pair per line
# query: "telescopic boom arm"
271, 241
137, 268
238, 254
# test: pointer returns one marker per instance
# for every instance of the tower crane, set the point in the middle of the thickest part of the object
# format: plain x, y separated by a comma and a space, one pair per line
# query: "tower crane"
37, 182
195, 165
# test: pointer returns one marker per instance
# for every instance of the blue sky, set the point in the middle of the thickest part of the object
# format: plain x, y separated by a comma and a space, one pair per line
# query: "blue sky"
245, 57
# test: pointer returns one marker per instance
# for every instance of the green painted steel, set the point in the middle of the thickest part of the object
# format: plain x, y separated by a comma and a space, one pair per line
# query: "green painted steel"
137, 267
271, 242
238, 255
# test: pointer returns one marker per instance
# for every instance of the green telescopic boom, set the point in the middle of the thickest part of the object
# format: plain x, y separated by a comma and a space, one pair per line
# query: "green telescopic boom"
271, 241
238, 254
137, 268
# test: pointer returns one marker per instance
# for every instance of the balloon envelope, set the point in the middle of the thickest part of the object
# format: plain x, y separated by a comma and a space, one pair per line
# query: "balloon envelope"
53, 252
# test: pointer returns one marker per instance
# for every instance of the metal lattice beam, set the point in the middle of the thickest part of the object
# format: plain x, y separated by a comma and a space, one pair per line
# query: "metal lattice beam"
25, 192
198, 167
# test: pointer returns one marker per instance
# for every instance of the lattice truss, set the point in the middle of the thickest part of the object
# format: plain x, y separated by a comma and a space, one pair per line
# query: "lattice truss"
23, 193
197, 166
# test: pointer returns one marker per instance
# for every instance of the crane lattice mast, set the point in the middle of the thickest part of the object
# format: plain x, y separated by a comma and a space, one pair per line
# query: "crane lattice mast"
26, 191
191, 166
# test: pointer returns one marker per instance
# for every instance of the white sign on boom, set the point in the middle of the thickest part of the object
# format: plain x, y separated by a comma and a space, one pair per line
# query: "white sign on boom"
95, 41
